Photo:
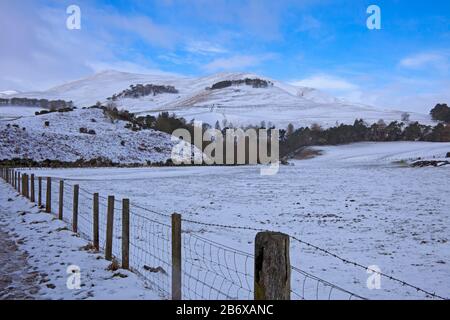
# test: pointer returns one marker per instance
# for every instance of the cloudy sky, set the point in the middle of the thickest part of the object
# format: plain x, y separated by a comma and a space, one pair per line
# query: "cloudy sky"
320, 43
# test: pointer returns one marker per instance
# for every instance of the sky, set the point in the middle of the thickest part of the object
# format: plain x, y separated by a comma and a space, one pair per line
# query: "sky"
324, 44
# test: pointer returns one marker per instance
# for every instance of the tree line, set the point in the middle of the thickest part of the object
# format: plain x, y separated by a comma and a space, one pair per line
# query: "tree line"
39, 103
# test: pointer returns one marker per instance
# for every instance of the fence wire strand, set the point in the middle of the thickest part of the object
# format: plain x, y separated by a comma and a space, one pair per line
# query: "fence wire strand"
210, 270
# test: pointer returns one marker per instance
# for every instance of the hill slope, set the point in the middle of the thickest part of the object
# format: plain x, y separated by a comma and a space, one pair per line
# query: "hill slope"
278, 103
30, 138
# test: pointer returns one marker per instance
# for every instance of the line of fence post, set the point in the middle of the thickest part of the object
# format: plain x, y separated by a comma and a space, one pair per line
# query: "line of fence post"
76, 192
109, 228
95, 223
61, 200
33, 195
48, 197
176, 257
272, 267
125, 234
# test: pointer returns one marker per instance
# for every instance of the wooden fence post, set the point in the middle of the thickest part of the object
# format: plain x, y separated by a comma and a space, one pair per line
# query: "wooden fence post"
61, 200
33, 193
48, 197
18, 181
39, 192
176, 257
76, 192
272, 267
27, 186
22, 183
125, 234
109, 229
95, 226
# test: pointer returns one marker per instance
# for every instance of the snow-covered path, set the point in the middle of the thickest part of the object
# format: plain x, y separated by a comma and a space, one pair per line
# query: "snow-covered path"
37, 250
17, 280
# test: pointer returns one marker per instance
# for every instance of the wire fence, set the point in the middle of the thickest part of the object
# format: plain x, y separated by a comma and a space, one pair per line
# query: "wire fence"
210, 270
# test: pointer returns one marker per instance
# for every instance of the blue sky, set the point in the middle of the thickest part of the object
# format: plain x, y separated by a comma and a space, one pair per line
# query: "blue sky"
319, 43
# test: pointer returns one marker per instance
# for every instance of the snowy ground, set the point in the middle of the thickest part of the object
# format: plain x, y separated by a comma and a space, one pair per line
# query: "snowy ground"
29, 138
357, 201
37, 249
8, 113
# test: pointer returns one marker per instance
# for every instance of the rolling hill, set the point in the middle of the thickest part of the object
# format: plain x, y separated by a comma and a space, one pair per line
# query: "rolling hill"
240, 104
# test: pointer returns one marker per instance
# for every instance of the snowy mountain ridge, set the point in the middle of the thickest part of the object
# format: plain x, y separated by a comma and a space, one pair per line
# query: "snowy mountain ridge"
279, 103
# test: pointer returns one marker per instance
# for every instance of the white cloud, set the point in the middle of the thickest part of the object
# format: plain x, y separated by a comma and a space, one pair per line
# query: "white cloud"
326, 82
37, 51
204, 48
428, 59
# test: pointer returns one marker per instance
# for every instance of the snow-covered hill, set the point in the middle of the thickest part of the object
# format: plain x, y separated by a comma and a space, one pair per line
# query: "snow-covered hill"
6, 93
279, 103
30, 138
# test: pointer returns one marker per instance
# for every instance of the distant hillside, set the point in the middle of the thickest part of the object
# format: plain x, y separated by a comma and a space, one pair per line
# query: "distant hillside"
237, 98
81, 134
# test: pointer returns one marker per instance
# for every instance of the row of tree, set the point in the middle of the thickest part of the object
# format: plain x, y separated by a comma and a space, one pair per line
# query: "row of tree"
39, 103
359, 131
255, 83
140, 90
293, 139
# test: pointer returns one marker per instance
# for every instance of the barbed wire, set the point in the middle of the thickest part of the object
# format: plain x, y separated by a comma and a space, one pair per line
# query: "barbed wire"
325, 251
324, 283
356, 264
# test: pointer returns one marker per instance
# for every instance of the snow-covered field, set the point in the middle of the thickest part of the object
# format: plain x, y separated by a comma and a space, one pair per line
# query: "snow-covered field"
242, 105
51, 250
8, 113
358, 201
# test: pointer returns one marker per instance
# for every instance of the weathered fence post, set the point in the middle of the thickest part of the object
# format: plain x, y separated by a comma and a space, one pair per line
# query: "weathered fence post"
76, 192
125, 234
27, 186
23, 184
33, 193
61, 200
18, 182
272, 267
95, 226
48, 197
39, 192
109, 229
176, 256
